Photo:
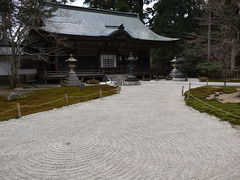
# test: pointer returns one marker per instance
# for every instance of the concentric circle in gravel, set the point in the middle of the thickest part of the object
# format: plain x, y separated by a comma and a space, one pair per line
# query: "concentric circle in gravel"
146, 132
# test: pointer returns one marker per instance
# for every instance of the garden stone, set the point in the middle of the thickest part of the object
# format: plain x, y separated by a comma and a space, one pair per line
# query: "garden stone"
13, 96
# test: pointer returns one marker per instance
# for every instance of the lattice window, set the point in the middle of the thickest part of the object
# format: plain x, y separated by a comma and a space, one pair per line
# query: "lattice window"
108, 61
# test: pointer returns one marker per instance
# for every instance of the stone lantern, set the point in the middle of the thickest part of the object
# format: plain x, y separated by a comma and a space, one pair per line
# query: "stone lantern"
72, 78
71, 65
131, 78
175, 73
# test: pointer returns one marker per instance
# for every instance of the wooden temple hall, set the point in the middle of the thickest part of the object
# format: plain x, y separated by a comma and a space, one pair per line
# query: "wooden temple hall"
100, 40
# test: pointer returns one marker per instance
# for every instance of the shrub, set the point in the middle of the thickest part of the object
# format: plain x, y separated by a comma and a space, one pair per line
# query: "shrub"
203, 79
206, 67
93, 81
146, 79
168, 78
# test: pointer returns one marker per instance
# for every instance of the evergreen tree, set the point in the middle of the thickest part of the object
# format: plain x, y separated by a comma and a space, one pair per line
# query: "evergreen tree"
175, 18
102, 4
135, 6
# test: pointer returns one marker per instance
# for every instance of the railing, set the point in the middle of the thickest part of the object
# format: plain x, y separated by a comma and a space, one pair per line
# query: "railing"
230, 74
79, 72
60, 75
147, 71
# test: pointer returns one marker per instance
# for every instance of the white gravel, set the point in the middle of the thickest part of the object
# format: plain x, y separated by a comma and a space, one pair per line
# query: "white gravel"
146, 132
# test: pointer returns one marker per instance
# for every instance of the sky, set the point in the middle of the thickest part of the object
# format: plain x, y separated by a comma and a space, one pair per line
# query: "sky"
80, 3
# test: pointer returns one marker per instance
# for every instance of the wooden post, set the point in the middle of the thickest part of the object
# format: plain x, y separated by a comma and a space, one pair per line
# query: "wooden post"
188, 95
19, 111
189, 86
66, 99
182, 90
207, 82
100, 93
122, 81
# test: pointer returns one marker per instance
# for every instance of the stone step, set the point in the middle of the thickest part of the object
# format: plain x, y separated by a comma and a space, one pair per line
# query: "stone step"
116, 77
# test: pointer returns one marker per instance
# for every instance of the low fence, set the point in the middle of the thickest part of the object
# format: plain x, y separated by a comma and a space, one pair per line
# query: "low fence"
189, 95
61, 75
66, 98
85, 74
230, 74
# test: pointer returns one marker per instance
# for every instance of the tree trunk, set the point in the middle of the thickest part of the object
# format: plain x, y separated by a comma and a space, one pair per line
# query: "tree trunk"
14, 71
233, 56
209, 34
225, 77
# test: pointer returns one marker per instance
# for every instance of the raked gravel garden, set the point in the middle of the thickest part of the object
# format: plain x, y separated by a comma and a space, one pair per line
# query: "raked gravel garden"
144, 132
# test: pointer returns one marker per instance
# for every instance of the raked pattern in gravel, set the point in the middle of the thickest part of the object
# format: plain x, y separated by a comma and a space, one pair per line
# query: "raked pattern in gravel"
146, 132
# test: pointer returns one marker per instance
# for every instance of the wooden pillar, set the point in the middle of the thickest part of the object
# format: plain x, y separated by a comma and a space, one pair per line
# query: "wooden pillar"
56, 57
56, 63
45, 77
233, 58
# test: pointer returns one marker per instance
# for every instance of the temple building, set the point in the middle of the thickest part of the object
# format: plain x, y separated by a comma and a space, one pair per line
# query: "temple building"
27, 71
101, 40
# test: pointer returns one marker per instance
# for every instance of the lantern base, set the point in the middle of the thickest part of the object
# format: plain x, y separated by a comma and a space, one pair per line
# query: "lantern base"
179, 79
131, 80
73, 80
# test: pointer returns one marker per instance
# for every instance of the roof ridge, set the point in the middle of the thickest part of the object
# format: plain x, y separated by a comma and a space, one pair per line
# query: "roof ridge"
104, 11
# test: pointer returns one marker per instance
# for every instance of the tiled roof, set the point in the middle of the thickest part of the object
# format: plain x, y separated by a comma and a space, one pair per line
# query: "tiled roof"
81, 21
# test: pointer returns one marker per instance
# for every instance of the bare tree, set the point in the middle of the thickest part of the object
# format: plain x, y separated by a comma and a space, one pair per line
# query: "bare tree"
19, 18
219, 35
209, 34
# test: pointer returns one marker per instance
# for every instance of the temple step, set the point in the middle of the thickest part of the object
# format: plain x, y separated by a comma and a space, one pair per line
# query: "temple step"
116, 78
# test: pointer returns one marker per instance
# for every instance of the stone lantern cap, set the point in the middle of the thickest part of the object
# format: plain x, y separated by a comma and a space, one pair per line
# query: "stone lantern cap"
131, 58
71, 59
174, 60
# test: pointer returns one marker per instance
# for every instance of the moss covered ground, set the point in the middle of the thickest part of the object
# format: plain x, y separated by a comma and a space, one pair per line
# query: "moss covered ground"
203, 92
38, 97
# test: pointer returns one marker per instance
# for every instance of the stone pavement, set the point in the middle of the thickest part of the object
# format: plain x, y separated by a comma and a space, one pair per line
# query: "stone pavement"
146, 132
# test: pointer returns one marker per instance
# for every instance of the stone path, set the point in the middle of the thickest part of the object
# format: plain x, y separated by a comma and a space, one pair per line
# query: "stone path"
146, 132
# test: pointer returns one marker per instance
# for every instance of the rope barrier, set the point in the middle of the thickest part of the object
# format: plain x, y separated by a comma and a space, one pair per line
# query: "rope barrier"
8, 111
51, 102
76, 97
97, 93
112, 90
60, 99
214, 107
